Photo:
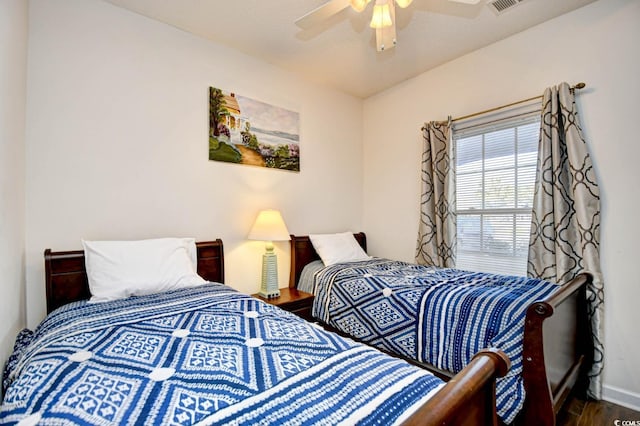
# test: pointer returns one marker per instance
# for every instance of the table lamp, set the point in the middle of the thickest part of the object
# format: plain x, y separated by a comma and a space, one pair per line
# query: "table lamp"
269, 227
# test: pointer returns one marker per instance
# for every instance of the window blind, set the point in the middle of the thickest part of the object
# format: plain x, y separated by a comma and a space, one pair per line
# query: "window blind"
496, 159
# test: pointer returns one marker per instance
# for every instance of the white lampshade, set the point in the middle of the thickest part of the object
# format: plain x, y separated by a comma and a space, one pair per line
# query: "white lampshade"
269, 226
381, 15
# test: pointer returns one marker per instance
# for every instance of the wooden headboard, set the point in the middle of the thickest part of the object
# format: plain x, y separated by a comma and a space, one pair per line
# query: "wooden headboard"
303, 253
66, 276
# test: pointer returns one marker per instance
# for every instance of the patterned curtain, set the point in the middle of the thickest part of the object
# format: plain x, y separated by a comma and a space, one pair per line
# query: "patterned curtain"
437, 230
565, 223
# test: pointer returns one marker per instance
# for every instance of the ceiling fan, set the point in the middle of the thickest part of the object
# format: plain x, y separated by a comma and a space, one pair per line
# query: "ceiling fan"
383, 18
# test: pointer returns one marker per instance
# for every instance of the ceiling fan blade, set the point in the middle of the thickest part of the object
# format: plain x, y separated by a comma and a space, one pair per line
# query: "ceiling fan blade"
466, 1
318, 15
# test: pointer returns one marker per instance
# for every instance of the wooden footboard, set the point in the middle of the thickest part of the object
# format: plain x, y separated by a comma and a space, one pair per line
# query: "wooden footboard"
556, 351
469, 398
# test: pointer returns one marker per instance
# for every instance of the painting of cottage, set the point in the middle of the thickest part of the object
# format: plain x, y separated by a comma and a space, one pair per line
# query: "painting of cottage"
246, 131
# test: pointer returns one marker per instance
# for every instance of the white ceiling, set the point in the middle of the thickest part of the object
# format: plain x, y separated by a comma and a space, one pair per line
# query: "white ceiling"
341, 52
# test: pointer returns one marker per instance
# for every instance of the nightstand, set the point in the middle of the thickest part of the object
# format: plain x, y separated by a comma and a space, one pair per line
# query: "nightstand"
292, 300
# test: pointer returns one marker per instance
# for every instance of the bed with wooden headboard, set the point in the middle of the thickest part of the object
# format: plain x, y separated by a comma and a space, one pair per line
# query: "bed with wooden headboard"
556, 351
66, 276
467, 399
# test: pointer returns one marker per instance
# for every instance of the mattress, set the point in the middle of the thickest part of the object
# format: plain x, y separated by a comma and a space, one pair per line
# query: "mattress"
439, 316
204, 355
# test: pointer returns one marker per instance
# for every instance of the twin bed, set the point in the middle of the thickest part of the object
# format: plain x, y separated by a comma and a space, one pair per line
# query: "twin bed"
438, 318
210, 355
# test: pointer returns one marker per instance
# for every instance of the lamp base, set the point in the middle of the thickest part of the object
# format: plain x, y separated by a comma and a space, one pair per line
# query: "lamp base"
269, 285
269, 295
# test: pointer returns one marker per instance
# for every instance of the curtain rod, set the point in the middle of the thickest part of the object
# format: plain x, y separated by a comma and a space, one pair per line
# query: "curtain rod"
464, 117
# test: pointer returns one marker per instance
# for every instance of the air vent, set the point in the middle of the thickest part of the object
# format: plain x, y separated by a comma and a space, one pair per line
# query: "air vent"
501, 6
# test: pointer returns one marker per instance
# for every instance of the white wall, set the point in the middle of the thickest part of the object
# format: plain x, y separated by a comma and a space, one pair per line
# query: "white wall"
597, 44
117, 143
13, 70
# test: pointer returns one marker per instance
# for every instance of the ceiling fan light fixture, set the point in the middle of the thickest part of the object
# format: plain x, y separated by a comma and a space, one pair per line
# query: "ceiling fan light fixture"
403, 3
381, 16
359, 5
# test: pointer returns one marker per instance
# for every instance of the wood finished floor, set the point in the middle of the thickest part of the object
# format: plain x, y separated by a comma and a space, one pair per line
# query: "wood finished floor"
578, 412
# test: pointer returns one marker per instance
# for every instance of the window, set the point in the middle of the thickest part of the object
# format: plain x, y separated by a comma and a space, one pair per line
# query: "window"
495, 178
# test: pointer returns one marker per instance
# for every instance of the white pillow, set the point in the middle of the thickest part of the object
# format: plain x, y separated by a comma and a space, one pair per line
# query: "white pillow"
119, 269
338, 248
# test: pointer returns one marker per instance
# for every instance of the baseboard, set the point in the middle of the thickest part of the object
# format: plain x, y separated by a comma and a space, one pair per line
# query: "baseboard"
621, 397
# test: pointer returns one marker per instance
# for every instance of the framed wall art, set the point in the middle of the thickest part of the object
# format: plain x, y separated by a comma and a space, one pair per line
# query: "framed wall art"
246, 131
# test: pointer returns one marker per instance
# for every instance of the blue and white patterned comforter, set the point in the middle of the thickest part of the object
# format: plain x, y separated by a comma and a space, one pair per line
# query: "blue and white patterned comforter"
205, 355
438, 316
